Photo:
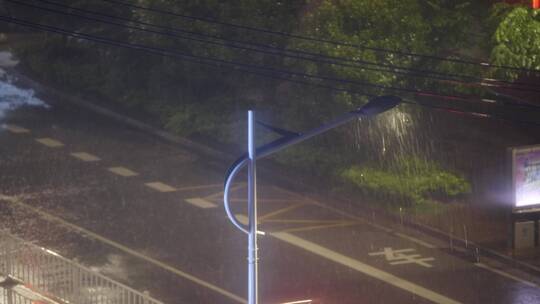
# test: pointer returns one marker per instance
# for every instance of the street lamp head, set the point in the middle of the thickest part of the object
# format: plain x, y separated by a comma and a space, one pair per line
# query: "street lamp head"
378, 105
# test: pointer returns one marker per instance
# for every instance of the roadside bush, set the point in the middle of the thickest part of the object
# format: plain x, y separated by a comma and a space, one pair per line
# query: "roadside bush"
408, 181
313, 161
190, 119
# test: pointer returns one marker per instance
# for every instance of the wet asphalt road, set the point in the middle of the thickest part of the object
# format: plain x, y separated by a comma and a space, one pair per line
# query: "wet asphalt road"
165, 203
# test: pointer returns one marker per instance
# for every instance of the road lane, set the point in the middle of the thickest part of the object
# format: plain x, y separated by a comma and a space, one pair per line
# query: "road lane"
363, 268
19, 203
201, 239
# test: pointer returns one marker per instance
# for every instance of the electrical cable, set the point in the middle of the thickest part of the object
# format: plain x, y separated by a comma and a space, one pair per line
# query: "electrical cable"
443, 77
235, 64
291, 73
319, 40
408, 90
468, 113
200, 60
168, 53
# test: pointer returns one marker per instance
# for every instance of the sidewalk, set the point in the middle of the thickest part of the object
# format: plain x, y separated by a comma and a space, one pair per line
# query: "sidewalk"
487, 229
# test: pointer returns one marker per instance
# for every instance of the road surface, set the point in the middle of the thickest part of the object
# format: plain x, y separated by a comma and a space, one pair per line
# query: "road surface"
150, 214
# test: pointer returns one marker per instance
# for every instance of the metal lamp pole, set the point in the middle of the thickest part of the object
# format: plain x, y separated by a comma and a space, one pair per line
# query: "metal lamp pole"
252, 214
374, 107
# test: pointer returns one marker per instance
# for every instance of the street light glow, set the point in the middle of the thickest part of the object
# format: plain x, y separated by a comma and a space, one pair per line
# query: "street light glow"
299, 302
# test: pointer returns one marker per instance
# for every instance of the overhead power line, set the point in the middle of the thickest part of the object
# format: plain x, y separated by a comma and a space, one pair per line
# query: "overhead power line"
190, 58
475, 114
212, 62
312, 76
160, 52
319, 40
261, 70
286, 53
209, 59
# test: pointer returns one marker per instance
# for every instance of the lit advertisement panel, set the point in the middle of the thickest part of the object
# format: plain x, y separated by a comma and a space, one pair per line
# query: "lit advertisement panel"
526, 176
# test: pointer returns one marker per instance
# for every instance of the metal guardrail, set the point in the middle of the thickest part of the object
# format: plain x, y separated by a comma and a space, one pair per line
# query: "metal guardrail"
59, 278
22, 295
9, 296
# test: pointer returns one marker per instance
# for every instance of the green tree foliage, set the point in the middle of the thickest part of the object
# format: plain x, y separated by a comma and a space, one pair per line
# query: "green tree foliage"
411, 26
516, 38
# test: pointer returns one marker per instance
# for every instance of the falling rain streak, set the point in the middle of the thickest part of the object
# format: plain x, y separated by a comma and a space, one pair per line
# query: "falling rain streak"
455, 143
393, 128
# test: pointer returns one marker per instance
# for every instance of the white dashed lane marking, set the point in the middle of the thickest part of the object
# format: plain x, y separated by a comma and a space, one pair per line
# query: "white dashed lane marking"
16, 129
201, 203
125, 172
242, 219
49, 142
87, 157
161, 187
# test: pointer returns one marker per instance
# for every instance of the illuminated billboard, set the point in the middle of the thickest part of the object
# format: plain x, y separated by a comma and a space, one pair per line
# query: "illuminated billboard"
526, 176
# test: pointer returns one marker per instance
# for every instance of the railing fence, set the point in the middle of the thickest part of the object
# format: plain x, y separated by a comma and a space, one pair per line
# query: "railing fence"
58, 278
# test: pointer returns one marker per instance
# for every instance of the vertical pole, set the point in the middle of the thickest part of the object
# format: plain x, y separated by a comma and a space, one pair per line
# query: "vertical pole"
9, 293
252, 215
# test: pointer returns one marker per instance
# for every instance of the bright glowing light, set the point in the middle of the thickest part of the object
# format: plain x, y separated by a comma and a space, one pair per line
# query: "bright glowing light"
526, 170
51, 252
527, 198
298, 302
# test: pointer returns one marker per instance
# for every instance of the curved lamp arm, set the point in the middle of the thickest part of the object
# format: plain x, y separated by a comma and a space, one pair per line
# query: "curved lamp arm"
375, 106
231, 174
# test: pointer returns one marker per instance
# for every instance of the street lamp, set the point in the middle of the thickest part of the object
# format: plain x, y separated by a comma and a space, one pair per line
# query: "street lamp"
374, 107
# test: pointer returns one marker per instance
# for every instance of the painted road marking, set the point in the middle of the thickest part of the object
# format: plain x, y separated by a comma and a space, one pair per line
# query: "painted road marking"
357, 218
363, 268
219, 195
87, 157
201, 203
16, 129
281, 211
507, 275
242, 218
268, 200
399, 257
161, 187
123, 248
187, 188
310, 225
49, 142
302, 221
334, 210
325, 226
125, 172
